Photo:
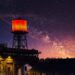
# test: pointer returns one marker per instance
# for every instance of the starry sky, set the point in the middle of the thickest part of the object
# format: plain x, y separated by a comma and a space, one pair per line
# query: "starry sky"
51, 25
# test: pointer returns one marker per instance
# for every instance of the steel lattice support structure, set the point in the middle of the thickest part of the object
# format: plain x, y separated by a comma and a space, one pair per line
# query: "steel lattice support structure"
20, 40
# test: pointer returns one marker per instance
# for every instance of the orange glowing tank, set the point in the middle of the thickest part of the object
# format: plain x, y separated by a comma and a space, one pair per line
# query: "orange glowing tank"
19, 25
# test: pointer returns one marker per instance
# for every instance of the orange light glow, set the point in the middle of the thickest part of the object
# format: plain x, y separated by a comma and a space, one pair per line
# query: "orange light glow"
19, 26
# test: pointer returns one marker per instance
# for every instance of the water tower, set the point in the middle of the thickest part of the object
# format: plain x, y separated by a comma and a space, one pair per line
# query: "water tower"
19, 30
13, 59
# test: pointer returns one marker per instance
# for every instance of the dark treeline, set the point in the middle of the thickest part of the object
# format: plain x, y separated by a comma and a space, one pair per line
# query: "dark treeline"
52, 65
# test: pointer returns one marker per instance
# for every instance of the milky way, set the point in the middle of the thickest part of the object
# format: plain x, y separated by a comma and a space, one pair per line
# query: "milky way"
51, 25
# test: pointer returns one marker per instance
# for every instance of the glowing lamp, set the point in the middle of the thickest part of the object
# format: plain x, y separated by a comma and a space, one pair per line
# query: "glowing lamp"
9, 59
1, 58
19, 26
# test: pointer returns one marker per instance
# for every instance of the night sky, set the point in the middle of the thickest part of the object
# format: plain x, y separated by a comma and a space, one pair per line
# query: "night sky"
51, 25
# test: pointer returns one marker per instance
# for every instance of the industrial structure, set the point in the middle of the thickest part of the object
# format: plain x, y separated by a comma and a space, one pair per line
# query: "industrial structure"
13, 59
19, 30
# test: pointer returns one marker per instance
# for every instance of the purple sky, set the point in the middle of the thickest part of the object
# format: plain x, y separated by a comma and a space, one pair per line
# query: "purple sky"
51, 25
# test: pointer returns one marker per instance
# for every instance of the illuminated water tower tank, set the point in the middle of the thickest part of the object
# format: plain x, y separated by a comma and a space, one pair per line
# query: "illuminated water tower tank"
20, 30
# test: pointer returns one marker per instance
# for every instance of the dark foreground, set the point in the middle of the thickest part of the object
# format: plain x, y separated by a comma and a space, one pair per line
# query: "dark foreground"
54, 67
